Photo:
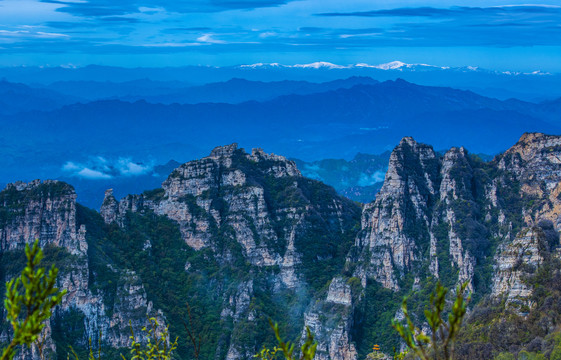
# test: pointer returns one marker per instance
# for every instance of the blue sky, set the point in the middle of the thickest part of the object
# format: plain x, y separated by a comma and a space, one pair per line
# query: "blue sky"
495, 34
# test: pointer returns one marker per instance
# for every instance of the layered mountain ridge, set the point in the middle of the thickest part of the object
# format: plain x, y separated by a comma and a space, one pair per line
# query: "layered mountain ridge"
244, 236
300, 120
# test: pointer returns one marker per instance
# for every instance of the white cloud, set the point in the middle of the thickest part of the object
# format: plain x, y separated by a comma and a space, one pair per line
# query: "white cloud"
70, 166
128, 168
371, 179
88, 173
208, 38
101, 168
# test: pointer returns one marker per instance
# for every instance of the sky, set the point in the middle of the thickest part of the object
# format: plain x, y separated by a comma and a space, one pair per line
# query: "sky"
493, 34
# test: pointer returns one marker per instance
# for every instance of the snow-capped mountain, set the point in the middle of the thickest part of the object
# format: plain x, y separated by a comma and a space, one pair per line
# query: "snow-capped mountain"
390, 66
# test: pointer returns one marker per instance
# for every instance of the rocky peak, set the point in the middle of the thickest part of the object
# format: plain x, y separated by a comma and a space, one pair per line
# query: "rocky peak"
40, 210
223, 151
534, 164
531, 144
411, 162
254, 212
226, 166
535, 157
110, 207
401, 209
453, 159
280, 166
231, 189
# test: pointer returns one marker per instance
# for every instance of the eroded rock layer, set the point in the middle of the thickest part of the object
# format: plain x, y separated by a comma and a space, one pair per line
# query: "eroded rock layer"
243, 237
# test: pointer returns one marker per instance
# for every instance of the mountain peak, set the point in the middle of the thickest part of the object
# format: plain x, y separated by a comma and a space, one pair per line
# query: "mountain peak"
529, 137
223, 151
320, 64
407, 140
533, 143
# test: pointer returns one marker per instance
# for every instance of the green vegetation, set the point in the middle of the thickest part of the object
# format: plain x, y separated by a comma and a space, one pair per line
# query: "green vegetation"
524, 330
29, 301
373, 318
307, 351
439, 344
156, 347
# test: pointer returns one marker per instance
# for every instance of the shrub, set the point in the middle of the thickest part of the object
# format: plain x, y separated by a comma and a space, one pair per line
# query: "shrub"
29, 301
308, 349
440, 343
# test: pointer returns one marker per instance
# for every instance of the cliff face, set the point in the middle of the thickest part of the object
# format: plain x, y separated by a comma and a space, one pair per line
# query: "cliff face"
251, 213
48, 211
439, 217
446, 210
424, 219
244, 236
44, 211
388, 245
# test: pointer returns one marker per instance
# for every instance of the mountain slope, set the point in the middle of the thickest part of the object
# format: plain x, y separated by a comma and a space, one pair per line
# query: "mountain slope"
340, 123
241, 237
233, 91
244, 236
15, 98
454, 218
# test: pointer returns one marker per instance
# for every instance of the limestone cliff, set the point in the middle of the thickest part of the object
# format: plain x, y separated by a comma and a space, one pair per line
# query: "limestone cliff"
40, 210
48, 211
290, 233
441, 216
244, 236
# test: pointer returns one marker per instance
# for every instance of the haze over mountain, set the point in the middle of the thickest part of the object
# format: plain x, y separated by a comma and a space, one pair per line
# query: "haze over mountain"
214, 164
233, 91
533, 85
337, 123
15, 98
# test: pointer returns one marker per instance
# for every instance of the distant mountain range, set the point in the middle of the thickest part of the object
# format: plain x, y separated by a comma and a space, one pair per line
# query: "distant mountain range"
233, 91
16, 98
44, 129
532, 86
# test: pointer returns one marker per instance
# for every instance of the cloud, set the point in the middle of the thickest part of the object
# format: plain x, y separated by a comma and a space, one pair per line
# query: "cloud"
457, 11
88, 173
208, 38
127, 167
460, 26
30, 34
96, 8
101, 168
70, 166
135, 29
371, 179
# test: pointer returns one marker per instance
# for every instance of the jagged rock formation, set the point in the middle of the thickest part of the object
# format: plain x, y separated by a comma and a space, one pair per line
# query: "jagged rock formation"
288, 230
244, 236
514, 260
44, 211
47, 211
441, 215
455, 203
